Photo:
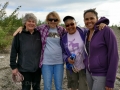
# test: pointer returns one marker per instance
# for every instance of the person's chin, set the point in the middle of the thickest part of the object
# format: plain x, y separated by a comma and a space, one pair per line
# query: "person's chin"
53, 26
71, 33
30, 29
90, 27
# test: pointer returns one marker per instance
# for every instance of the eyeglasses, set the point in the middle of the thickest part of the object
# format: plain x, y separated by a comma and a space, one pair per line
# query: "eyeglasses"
71, 24
51, 19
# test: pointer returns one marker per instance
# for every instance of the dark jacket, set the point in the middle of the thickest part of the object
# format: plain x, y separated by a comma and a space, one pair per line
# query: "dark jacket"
26, 51
103, 55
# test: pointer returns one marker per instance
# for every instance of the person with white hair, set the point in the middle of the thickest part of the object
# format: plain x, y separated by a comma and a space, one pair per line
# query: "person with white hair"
27, 47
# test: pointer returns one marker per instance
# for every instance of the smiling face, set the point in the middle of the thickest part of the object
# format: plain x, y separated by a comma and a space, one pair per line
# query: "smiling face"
90, 19
30, 25
70, 25
52, 21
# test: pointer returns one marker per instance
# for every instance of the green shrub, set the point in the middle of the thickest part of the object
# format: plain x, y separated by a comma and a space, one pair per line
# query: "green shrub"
3, 41
8, 25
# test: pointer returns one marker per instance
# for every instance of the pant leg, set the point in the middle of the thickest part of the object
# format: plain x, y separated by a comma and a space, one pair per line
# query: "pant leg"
99, 82
36, 78
82, 80
58, 76
47, 73
26, 83
89, 80
72, 78
95, 82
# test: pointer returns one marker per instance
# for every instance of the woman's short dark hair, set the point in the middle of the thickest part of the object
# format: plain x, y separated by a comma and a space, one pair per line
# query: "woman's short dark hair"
68, 17
92, 11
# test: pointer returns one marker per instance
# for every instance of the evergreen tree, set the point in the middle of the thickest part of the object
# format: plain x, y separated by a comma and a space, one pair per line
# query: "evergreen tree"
8, 24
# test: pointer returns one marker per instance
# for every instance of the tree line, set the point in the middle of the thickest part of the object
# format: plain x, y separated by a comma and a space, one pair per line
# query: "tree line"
8, 24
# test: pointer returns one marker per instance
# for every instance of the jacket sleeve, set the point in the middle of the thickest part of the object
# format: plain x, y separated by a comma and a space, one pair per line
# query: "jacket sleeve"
65, 57
113, 57
64, 31
14, 52
102, 20
64, 54
41, 27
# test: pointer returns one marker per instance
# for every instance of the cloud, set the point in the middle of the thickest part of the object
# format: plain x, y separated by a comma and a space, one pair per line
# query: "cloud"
107, 8
110, 10
47, 4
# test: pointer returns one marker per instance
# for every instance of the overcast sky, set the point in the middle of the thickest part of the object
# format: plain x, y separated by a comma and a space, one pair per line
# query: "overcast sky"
107, 8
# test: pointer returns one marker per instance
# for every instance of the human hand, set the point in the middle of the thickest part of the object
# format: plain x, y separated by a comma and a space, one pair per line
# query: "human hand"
70, 61
17, 76
15, 71
101, 26
19, 30
107, 88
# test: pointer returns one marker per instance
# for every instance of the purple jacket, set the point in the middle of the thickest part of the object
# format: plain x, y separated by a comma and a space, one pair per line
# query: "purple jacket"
64, 44
103, 55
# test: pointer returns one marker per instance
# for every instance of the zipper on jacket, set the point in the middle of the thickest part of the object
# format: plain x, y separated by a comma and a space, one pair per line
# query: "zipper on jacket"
32, 38
85, 44
89, 53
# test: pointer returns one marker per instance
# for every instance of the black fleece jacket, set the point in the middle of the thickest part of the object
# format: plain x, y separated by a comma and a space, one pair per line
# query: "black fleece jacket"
26, 51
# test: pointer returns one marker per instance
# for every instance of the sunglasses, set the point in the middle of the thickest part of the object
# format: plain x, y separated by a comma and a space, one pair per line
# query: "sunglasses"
51, 19
71, 24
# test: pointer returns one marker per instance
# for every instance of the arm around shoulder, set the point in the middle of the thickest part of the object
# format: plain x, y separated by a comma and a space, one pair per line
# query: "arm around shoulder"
19, 30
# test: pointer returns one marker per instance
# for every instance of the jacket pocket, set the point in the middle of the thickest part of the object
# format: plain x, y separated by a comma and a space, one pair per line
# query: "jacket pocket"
103, 61
98, 63
94, 62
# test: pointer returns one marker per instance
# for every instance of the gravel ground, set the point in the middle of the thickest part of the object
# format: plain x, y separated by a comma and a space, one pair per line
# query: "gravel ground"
5, 72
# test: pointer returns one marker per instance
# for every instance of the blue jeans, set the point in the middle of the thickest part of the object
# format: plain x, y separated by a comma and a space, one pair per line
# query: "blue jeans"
49, 71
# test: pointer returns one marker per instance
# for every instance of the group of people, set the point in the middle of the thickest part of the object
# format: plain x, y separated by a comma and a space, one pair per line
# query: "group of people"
44, 49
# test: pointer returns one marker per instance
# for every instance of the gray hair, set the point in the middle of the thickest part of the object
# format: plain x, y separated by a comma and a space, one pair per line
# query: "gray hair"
29, 16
